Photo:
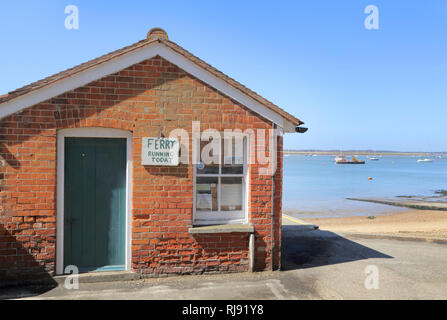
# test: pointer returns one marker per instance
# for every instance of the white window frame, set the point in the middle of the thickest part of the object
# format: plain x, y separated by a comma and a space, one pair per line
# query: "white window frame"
201, 218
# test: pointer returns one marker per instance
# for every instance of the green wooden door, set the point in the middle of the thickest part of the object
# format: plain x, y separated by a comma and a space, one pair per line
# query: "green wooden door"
95, 203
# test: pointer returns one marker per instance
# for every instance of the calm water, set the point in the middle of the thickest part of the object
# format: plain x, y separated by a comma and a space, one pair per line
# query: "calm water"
317, 187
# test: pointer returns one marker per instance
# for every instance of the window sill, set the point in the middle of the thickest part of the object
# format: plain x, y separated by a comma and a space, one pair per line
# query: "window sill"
222, 228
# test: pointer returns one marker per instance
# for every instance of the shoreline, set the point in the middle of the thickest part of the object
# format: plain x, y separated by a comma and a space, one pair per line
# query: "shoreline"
366, 153
378, 210
412, 222
415, 204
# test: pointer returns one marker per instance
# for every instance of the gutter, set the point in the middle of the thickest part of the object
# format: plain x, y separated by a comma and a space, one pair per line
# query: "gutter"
272, 214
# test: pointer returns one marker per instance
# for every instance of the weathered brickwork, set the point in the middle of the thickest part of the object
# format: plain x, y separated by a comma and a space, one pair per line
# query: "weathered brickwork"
147, 98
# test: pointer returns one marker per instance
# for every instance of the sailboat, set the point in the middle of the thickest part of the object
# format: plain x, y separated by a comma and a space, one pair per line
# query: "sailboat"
340, 157
425, 160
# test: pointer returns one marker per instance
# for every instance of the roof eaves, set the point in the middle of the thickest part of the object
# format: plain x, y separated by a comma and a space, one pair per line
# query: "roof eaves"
232, 82
74, 70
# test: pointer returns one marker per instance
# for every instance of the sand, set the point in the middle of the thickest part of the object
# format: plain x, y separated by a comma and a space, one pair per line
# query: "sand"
414, 223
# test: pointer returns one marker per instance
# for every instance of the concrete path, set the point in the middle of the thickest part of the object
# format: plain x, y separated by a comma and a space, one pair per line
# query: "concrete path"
342, 263
413, 204
317, 265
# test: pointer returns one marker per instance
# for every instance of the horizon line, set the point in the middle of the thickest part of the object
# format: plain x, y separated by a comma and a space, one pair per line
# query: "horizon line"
360, 150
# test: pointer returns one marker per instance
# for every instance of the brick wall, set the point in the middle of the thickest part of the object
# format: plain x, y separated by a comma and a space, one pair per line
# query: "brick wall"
145, 99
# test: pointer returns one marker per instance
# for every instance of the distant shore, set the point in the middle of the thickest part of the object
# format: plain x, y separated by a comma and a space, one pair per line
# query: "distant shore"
365, 153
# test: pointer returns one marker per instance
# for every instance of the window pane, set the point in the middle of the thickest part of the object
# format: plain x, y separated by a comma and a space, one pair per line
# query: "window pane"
208, 168
233, 155
232, 194
206, 198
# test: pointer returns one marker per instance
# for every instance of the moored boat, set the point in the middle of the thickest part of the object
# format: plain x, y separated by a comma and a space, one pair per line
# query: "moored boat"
343, 160
425, 160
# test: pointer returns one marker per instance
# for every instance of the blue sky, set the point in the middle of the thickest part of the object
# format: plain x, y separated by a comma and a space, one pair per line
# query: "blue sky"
355, 88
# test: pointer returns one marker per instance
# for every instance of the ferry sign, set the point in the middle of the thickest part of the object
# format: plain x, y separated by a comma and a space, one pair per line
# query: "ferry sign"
160, 152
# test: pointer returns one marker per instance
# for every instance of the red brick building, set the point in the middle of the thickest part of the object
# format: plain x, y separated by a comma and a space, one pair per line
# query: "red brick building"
74, 190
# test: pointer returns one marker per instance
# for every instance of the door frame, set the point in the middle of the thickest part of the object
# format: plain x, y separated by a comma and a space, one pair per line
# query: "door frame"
90, 133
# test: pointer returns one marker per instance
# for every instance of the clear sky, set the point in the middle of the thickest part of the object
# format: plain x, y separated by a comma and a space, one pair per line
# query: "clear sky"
355, 88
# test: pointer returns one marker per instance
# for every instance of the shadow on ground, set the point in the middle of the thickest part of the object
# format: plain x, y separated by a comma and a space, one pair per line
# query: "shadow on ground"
303, 247
20, 272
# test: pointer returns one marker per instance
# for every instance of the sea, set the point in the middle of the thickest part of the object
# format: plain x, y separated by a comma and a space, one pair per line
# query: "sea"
316, 187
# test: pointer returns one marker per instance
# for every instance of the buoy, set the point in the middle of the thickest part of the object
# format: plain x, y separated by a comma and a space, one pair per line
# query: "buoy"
369, 178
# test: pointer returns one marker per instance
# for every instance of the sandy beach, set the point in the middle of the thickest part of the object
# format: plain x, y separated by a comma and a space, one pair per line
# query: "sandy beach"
415, 223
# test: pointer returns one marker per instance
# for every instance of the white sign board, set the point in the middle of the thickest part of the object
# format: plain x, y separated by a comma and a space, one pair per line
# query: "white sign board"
160, 152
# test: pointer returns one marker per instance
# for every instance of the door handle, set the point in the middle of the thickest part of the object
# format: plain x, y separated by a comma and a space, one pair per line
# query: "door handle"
70, 220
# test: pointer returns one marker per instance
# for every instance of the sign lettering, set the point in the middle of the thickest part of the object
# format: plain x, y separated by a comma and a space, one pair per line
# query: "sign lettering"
160, 152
